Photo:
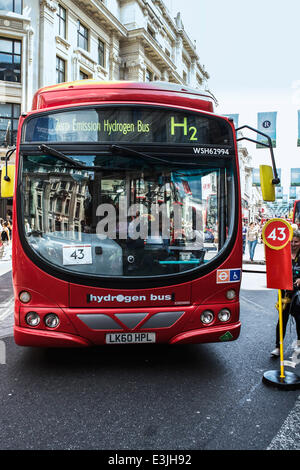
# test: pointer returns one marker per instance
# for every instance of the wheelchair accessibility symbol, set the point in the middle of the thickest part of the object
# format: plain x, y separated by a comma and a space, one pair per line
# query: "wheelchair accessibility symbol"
228, 275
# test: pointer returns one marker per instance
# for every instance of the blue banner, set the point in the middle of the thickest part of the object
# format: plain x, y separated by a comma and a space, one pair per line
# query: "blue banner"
255, 177
293, 193
295, 176
298, 141
278, 192
266, 123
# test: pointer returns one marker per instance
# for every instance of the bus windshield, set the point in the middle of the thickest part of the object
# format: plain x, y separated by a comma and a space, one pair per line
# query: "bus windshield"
124, 215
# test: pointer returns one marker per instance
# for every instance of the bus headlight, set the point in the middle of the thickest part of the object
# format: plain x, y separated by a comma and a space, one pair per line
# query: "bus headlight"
207, 317
25, 297
51, 320
32, 319
224, 314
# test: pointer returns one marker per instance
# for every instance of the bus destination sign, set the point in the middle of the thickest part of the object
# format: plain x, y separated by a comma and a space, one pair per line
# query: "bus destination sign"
129, 124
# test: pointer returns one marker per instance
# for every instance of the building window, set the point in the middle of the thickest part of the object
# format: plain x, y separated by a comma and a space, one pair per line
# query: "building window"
10, 60
82, 36
9, 118
11, 5
67, 206
61, 13
149, 76
101, 53
82, 75
60, 70
59, 205
151, 32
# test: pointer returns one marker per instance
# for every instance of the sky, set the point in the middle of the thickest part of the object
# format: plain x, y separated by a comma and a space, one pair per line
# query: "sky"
251, 51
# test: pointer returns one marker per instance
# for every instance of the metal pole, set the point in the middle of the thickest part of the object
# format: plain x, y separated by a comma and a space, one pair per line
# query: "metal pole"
280, 334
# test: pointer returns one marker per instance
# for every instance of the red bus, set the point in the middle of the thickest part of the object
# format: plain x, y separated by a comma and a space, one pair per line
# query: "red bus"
104, 250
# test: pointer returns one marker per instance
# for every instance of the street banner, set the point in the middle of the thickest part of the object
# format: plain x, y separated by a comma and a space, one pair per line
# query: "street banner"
279, 192
293, 193
255, 177
276, 235
295, 176
235, 118
266, 123
298, 140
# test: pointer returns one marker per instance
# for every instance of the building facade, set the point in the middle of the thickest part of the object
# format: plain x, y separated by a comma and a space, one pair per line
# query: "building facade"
245, 163
43, 42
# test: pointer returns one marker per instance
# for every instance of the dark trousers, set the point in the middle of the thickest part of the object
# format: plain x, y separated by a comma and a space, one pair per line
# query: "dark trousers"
285, 318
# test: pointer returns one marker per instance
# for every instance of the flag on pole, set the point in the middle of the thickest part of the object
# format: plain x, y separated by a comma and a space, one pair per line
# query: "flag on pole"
266, 123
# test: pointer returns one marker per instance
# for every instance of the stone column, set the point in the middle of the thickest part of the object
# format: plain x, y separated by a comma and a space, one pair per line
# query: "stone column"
193, 81
178, 55
136, 71
47, 67
28, 92
114, 57
75, 67
165, 75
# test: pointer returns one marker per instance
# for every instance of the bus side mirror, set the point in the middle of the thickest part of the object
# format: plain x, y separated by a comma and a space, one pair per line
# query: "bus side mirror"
266, 183
7, 181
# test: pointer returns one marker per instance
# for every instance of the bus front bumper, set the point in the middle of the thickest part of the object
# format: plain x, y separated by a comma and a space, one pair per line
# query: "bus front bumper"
31, 337
46, 339
229, 332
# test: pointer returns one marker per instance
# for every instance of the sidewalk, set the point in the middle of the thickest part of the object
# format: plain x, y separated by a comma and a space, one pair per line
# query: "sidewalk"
254, 274
258, 263
5, 266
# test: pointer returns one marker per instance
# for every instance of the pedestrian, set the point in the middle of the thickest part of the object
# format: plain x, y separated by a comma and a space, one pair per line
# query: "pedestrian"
9, 226
288, 305
244, 232
294, 226
1, 242
252, 238
5, 237
26, 226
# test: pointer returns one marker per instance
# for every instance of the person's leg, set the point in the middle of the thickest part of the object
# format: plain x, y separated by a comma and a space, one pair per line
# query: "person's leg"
297, 320
250, 248
285, 318
253, 248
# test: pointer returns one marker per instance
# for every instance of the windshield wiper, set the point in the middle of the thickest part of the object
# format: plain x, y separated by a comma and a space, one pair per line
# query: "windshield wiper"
148, 158
61, 156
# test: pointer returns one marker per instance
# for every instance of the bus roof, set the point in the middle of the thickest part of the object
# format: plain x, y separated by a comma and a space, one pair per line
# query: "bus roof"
93, 91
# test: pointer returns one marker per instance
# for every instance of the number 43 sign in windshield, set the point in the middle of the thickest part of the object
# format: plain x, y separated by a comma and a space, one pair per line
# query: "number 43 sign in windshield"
277, 233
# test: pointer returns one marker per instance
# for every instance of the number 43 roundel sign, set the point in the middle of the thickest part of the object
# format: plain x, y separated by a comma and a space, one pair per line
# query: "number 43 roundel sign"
276, 235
